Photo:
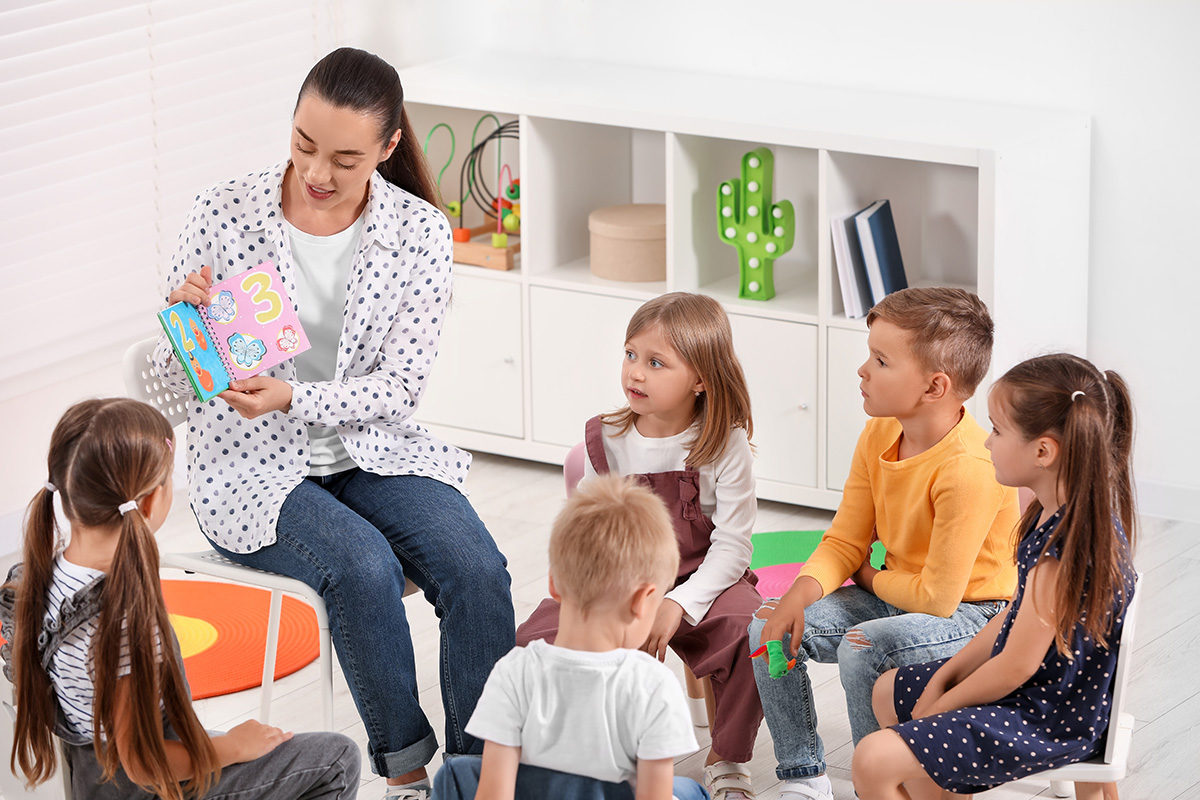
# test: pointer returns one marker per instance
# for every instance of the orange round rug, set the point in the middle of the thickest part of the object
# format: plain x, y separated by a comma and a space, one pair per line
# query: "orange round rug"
222, 630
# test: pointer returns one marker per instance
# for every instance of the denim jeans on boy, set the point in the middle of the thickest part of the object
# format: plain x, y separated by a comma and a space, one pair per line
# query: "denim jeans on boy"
458, 779
897, 638
353, 537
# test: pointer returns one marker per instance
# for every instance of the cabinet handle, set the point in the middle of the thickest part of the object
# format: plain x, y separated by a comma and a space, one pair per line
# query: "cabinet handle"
509, 359
804, 406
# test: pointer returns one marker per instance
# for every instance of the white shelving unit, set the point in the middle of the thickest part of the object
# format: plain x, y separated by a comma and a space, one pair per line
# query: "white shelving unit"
993, 199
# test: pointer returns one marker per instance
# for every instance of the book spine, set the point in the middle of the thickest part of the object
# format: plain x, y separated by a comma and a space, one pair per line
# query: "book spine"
180, 356
217, 343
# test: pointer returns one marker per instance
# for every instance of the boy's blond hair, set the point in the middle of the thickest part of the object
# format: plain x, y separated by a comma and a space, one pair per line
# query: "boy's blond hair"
950, 331
612, 536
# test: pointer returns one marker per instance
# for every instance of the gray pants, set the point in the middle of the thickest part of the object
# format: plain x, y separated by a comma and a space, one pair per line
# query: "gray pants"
312, 766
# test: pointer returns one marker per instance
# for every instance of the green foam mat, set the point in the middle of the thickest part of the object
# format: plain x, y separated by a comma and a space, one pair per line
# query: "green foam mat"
794, 547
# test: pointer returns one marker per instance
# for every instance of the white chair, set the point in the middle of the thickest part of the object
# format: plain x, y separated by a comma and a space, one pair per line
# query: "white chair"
13, 785
142, 383
1088, 776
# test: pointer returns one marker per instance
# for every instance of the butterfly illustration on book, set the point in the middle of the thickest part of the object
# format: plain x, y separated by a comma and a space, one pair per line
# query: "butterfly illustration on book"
287, 340
223, 307
247, 351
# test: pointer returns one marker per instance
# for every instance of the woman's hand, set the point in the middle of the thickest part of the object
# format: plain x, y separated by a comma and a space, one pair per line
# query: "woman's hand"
666, 622
252, 740
259, 395
194, 289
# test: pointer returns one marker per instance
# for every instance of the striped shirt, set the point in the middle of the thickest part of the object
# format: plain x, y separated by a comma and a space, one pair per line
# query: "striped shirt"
71, 665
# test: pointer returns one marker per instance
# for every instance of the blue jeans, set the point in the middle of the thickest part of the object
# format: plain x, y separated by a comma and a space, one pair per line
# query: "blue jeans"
896, 638
309, 766
353, 537
458, 779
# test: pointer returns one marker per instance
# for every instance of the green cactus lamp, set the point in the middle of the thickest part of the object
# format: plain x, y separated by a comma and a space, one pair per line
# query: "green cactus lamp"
761, 231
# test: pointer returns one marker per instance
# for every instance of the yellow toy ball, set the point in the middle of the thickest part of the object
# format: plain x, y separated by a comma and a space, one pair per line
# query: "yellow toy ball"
454, 208
512, 223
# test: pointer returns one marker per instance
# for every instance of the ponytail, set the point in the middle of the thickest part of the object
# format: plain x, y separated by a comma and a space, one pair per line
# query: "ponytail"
1091, 416
134, 625
33, 745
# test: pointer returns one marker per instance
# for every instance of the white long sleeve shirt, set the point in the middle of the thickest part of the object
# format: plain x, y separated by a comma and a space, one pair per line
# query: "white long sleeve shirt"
727, 496
239, 470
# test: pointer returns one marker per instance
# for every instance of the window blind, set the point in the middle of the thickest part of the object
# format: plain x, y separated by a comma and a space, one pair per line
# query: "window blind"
114, 114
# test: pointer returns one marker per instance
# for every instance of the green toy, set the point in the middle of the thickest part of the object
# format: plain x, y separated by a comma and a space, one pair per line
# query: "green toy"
761, 231
777, 663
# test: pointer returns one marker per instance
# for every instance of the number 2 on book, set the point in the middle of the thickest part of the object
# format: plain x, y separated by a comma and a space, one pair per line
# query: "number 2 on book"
255, 284
188, 344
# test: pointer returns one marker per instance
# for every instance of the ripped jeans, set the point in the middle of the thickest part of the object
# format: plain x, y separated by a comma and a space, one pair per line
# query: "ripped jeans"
884, 637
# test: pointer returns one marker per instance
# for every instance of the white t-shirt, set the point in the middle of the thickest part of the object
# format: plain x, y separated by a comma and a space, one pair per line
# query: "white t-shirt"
727, 495
589, 714
322, 271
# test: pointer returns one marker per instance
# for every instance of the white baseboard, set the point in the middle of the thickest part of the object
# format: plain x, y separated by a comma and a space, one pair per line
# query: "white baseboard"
1168, 500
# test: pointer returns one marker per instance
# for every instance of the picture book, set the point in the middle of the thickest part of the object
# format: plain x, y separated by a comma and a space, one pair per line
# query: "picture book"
248, 327
881, 250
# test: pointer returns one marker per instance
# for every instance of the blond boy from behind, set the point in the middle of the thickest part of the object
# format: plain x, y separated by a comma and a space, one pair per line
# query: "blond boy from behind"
588, 716
922, 482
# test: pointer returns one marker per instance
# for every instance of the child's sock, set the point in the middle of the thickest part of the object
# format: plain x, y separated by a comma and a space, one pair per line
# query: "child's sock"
815, 788
417, 790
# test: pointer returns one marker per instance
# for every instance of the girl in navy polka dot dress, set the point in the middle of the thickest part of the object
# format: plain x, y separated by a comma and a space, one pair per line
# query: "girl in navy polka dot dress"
1032, 691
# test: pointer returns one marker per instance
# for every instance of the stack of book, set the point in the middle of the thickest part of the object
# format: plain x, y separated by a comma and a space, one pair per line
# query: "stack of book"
867, 253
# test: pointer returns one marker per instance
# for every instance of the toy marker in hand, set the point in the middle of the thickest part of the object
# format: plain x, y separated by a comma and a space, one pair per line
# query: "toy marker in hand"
777, 663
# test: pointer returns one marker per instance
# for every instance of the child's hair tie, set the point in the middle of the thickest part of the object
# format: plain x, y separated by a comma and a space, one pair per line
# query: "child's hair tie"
125, 508
50, 487
1077, 393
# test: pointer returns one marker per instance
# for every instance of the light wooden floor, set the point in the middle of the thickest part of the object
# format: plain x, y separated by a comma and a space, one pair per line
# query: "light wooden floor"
517, 500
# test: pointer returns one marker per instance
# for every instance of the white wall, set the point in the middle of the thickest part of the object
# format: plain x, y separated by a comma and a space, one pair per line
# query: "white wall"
1131, 65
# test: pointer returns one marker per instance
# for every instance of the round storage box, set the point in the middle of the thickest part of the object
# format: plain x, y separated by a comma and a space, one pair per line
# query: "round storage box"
629, 243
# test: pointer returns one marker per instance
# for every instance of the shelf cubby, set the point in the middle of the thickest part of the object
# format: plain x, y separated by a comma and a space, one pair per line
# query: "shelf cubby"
935, 207
425, 118
573, 169
702, 262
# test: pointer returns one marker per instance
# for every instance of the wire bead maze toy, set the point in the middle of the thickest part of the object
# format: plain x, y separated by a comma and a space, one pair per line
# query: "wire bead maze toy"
502, 213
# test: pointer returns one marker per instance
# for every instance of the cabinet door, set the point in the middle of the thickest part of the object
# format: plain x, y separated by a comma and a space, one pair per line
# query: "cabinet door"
476, 380
780, 362
845, 417
576, 349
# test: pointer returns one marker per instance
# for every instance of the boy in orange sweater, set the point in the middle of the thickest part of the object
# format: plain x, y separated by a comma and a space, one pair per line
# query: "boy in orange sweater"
922, 483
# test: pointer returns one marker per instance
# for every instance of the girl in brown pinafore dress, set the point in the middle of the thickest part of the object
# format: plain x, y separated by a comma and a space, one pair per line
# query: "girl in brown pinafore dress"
686, 434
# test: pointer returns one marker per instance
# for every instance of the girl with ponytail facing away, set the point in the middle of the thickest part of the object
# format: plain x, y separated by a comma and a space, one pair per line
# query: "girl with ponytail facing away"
1033, 690
90, 650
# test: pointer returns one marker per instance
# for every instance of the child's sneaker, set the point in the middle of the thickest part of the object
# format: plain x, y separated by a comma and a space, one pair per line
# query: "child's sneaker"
420, 791
726, 780
816, 788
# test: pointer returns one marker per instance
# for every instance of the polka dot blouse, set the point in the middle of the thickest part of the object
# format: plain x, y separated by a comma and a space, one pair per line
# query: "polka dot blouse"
1058, 717
239, 470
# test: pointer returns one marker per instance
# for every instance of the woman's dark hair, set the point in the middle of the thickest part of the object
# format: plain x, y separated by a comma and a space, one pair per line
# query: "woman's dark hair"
364, 82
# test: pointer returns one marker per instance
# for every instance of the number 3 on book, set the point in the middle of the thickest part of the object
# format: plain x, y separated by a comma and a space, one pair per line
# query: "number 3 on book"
188, 344
255, 284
